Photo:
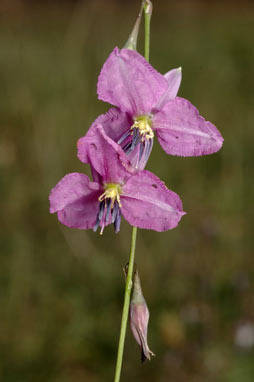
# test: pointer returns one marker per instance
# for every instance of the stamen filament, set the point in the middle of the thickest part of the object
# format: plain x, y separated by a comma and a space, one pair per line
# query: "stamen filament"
141, 150
109, 204
117, 222
124, 136
115, 211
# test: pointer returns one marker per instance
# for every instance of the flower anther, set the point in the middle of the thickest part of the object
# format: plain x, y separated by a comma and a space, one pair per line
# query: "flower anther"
112, 192
143, 124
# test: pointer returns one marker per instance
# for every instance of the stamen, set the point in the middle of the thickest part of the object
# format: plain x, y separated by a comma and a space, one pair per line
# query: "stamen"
109, 204
127, 147
101, 209
115, 211
96, 225
136, 138
129, 150
135, 135
117, 222
99, 215
102, 228
151, 146
148, 149
123, 137
139, 135
141, 150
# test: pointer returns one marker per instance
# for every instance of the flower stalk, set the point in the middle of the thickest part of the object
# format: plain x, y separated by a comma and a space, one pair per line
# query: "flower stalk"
148, 8
128, 285
125, 314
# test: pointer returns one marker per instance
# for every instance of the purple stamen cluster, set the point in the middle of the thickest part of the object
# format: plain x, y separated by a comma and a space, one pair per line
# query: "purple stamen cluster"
133, 139
105, 213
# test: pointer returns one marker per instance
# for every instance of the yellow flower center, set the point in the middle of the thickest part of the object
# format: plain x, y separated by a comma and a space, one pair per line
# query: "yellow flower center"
143, 123
113, 192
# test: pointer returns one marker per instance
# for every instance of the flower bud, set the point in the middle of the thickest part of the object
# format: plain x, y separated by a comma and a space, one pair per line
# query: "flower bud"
132, 40
139, 317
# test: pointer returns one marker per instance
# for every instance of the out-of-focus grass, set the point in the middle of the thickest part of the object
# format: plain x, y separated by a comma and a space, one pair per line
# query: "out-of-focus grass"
61, 290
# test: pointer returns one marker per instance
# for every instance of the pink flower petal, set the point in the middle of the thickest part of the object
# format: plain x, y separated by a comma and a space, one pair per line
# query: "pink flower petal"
174, 78
114, 123
148, 203
128, 81
182, 131
75, 199
105, 156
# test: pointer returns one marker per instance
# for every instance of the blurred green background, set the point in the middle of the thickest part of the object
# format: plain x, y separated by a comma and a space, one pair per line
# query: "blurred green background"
61, 290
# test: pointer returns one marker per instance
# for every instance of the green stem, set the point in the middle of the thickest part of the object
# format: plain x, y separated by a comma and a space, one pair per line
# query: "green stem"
148, 14
125, 314
128, 285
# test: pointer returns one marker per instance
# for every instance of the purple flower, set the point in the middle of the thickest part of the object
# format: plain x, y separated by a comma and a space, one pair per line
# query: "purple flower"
116, 190
147, 104
139, 317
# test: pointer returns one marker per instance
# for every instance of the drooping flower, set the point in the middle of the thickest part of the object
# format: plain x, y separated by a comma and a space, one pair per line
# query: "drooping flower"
116, 190
150, 105
139, 317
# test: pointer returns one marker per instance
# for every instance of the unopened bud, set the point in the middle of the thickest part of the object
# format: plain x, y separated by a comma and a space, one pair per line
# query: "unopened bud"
139, 317
132, 40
